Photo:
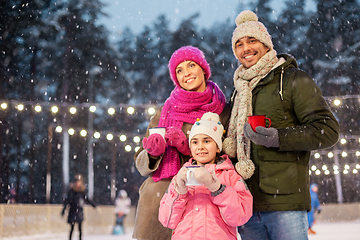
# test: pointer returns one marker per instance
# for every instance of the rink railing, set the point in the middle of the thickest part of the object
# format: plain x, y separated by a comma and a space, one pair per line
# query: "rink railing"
18, 220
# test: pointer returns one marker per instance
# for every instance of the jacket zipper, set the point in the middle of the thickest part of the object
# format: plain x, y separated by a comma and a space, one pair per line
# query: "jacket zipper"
281, 84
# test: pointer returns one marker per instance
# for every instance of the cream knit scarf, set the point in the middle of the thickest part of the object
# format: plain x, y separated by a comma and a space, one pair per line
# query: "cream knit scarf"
245, 80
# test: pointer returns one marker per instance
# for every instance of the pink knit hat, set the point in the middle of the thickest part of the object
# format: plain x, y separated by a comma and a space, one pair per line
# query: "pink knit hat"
188, 53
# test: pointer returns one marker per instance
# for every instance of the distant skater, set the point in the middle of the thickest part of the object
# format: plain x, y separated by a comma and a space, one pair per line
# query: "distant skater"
315, 206
76, 199
122, 208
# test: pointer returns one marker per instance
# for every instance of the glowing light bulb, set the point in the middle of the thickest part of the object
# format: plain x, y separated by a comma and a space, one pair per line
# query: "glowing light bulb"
37, 108
58, 129
4, 105
151, 111
111, 111
92, 108
109, 136
97, 135
54, 109
72, 110
71, 131
130, 110
128, 148
83, 133
20, 107
122, 138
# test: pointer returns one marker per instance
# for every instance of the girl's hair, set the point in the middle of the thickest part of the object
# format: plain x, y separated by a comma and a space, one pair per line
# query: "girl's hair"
217, 158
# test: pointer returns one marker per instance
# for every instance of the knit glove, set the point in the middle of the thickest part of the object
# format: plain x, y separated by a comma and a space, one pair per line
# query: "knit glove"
210, 180
154, 144
175, 137
268, 137
180, 180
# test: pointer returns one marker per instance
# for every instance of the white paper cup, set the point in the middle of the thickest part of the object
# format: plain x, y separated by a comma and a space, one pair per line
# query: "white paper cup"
158, 130
190, 176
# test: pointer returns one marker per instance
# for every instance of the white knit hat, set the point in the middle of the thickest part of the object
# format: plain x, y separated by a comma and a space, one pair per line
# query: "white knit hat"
247, 25
210, 125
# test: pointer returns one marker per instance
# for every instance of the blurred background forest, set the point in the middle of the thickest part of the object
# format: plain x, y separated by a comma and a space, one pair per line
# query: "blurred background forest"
53, 53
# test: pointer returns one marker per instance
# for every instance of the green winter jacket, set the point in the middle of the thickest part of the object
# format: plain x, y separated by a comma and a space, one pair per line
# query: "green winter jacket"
296, 107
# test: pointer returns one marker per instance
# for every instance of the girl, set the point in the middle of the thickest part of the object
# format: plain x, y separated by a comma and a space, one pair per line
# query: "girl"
161, 158
214, 209
122, 209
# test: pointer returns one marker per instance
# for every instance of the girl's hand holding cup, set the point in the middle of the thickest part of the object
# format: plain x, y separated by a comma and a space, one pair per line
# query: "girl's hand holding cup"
180, 181
210, 180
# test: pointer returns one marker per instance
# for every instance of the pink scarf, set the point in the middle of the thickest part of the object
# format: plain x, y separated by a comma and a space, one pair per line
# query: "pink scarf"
185, 106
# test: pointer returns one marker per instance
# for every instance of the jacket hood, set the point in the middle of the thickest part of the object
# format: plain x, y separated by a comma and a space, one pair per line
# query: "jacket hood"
289, 60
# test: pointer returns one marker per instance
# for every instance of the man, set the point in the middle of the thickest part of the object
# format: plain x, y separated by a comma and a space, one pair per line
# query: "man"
275, 160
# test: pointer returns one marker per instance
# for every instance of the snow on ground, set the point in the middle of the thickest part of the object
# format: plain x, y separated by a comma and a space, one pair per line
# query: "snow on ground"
337, 230
324, 231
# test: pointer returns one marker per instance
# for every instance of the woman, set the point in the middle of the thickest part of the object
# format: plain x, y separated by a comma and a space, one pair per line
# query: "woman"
76, 199
161, 158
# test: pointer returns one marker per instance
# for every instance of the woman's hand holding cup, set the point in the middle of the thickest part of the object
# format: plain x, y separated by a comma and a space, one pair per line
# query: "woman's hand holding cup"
154, 144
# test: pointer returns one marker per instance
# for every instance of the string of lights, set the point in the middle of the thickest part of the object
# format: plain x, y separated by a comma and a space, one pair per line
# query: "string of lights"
150, 109
54, 106
72, 108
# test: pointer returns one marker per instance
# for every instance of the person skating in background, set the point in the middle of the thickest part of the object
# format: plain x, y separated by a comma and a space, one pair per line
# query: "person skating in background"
222, 202
122, 208
76, 199
315, 207
161, 158
275, 160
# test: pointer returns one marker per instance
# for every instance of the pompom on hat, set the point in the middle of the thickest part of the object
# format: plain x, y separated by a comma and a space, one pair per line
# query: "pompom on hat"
247, 25
188, 53
78, 177
210, 125
122, 193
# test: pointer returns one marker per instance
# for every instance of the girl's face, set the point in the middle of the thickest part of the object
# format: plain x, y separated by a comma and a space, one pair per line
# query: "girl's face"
191, 76
203, 149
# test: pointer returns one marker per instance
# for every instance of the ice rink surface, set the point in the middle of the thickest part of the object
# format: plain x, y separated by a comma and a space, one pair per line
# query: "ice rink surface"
324, 231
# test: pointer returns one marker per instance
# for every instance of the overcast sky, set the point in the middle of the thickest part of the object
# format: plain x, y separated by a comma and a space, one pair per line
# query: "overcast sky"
137, 13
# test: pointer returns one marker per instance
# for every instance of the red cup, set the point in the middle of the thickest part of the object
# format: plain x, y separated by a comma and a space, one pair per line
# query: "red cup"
258, 120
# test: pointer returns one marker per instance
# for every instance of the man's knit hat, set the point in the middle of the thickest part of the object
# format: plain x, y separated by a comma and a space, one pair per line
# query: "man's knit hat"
210, 125
247, 25
188, 53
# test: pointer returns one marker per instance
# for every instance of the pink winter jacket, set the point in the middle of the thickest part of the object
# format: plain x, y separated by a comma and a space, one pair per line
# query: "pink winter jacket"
198, 215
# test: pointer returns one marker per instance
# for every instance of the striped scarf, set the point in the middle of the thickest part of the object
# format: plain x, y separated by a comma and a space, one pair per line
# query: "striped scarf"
245, 80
